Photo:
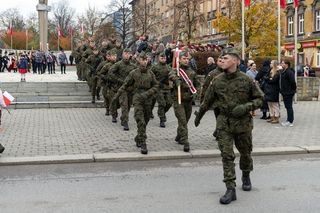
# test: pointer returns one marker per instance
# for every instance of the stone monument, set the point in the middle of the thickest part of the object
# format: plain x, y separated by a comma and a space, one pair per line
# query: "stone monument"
43, 10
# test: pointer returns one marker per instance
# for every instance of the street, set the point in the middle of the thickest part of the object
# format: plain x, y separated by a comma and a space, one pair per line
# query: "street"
287, 183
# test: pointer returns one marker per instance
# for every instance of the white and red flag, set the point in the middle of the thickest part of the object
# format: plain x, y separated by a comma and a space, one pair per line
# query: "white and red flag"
10, 28
247, 3
283, 3
185, 77
5, 99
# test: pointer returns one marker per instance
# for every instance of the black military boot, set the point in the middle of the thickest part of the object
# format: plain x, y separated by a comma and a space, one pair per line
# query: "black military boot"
229, 196
186, 147
125, 126
177, 139
107, 112
93, 99
114, 119
162, 124
246, 183
144, 149
1, 148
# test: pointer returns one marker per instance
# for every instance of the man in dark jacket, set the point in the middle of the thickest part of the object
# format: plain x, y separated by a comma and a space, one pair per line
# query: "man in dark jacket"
288, 88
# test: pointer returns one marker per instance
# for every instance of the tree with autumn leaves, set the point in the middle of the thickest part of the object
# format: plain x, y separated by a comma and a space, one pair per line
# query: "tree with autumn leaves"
260, 27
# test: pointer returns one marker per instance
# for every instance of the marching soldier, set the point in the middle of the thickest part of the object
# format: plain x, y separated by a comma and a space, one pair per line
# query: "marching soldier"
116, 75
235, 96
93, 61
188, 84
161, 71
107, 91
145, 86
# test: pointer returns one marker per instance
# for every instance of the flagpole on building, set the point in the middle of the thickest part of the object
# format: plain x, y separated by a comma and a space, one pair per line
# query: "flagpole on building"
279, 31
243, 31
295, 45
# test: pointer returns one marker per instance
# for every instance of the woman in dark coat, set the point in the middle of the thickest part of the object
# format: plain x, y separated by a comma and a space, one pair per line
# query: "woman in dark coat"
271, 91
260, 77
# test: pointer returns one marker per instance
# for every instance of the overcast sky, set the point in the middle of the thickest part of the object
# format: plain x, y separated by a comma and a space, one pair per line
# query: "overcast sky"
28, 6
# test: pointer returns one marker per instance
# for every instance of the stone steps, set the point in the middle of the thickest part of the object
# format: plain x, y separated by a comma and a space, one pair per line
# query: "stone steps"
50, 95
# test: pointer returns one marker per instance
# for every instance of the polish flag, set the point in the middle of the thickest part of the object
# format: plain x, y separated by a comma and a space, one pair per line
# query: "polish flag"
59, 32
10, 28
81, 28
5, 99
283, 4
247, 3
296, 3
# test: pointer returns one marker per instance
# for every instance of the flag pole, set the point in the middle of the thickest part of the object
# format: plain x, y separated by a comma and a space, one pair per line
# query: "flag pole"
243, 44
295, 47
279, 31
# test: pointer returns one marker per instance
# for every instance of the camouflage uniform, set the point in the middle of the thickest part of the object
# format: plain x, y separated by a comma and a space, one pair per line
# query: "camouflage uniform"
107, 92
183, 111
144, 86
161, 71
235, 95
116, 75
93, 61
86, 72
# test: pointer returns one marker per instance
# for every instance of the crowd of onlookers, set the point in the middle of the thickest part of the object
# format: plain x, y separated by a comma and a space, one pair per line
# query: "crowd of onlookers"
36, 62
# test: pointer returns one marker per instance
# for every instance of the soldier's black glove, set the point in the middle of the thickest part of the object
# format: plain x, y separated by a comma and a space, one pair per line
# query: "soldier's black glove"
241, 110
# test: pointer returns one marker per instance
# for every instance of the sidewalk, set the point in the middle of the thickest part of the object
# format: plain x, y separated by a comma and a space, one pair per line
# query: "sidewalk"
87, 135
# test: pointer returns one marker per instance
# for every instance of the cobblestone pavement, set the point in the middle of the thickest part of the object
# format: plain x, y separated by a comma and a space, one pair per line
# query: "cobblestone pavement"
46, 132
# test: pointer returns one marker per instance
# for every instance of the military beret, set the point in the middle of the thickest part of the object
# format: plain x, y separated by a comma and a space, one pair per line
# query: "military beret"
162, 54
112, 52
231, 51
183, 53
143, 55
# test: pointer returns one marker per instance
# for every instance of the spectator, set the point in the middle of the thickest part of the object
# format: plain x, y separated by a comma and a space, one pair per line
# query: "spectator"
71, 59
252, 72
288, 88
211, 66
271, 92
62, 58
23, 67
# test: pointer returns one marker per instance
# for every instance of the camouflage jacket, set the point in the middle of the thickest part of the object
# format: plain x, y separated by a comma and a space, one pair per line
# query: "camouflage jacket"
214, 73
141, 82
94, 61
185, 90
118, 72
161, 71
103, 73
228, 91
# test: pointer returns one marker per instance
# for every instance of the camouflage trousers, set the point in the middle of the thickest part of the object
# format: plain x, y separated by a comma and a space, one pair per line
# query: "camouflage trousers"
243, 142
78, 67
164, 103
183, 113
142, 114
124, 102
95, 89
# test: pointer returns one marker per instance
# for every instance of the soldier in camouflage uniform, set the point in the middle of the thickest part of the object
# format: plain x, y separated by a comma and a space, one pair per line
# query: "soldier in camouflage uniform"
183, 111
76, 55
107, 91
81, 66
235, 95
161, 71
93, 61
116, 75
145, 87
214, 73
86, 71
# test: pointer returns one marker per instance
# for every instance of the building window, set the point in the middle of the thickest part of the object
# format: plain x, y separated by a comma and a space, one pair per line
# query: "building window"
289, 1
317, 21
290, 26
318, 58
300, 23
211, 30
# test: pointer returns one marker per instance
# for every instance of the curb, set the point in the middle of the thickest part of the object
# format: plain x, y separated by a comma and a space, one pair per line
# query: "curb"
136, 156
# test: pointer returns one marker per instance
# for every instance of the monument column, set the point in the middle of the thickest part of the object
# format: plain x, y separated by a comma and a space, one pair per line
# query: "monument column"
43, 10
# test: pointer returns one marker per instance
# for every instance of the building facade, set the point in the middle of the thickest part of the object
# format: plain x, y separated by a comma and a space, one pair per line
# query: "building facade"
308, 31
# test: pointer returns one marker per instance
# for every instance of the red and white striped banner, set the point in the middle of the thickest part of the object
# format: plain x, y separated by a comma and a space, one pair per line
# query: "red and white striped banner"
185, 77
5, 99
